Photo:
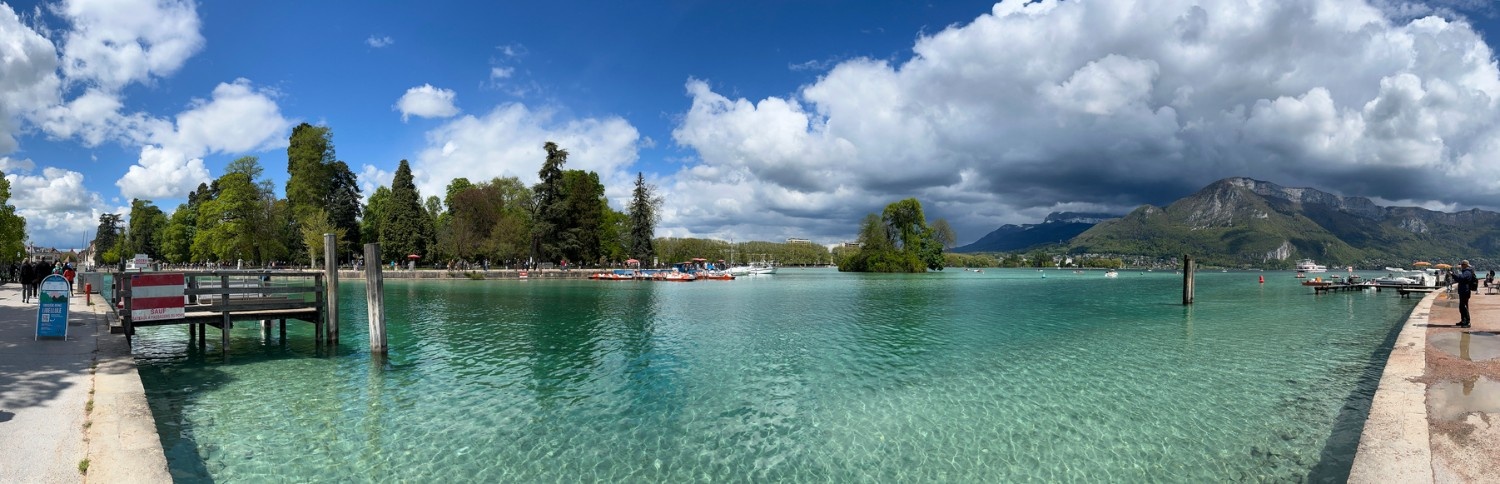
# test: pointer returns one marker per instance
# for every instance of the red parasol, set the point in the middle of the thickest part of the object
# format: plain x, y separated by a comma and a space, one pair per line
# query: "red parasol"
413, 256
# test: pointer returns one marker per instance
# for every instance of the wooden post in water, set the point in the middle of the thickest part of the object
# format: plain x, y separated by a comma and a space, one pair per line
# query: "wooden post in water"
375, 298
331, 266
1187, 280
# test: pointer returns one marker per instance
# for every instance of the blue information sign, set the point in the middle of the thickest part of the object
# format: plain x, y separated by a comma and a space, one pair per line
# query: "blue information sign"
52, 313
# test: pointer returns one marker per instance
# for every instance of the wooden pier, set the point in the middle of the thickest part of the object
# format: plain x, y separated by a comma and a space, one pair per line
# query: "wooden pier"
221, 298
1340, 288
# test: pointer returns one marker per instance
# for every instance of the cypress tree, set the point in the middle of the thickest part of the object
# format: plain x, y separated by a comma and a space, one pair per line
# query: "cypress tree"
642, 220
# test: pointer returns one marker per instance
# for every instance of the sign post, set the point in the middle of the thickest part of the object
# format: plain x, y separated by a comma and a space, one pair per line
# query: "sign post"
52, 313
156, 297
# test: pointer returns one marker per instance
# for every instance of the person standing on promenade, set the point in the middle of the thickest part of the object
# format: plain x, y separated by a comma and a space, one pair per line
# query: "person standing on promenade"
1467, 282
28, 277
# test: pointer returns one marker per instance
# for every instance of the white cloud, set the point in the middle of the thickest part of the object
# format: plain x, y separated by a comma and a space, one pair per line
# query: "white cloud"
501, 72
378, 42
59, 210
162, 172
1039, 105
428, 102
28, 75
371, 178
508, 141
237, 119
116, 42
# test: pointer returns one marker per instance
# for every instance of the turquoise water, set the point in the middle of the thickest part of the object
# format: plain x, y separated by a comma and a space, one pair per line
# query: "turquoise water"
808, 375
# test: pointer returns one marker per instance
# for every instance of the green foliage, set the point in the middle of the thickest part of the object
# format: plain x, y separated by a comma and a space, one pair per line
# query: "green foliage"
583, 209
374, 214
105, 239
969, 260
551, 218
644, 206
671, 250
899, 240
242, 219
317, 181
147, 226
12, 226
313, 228
944, 233
309, 154
177, 237
405, 227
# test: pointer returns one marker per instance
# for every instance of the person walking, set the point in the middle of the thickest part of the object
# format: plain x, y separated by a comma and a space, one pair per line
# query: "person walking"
1467, 282
28, 278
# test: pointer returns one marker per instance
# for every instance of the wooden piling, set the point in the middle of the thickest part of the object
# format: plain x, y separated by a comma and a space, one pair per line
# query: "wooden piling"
375, 298
1187, 280
331, 266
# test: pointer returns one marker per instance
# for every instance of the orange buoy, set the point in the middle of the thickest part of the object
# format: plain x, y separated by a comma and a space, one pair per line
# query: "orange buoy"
1262, 279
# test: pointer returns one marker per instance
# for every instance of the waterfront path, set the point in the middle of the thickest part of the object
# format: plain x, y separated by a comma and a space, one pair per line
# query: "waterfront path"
1436, 414
47, 425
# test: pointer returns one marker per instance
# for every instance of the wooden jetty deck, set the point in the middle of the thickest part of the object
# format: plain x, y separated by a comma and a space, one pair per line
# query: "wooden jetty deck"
1340, 287
221, 298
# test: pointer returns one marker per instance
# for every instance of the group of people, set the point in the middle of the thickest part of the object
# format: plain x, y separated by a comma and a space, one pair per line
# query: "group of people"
31, 276
1468, 282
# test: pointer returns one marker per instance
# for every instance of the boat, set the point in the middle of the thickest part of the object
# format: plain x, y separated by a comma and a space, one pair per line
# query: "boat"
716, 275
1392, 280
1111, 273
1301, 275
1307, 265
618, 275
673, 276
1317, 282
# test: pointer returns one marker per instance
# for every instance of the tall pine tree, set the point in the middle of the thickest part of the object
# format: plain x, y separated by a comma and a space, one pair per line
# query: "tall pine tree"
550, 219
643, 205
405, 228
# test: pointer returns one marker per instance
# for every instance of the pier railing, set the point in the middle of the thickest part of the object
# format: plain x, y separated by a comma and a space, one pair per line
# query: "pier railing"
219, 298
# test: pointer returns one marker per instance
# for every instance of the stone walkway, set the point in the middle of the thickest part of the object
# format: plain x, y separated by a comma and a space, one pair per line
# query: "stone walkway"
47, 425
1436, 414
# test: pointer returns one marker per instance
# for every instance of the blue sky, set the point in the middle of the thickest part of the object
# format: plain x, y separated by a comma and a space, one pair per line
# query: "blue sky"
759, 120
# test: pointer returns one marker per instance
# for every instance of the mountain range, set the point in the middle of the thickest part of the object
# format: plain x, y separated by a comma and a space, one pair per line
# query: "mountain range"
1057, 228
1247, 222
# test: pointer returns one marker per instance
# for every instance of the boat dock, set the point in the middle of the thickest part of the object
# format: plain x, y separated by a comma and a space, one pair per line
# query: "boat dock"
219, 299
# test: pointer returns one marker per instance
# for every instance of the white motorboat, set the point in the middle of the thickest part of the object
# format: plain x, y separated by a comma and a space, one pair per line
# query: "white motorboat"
1111, 273
1307, 265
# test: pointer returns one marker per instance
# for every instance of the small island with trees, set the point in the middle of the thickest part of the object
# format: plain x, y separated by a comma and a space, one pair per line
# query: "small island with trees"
899, 240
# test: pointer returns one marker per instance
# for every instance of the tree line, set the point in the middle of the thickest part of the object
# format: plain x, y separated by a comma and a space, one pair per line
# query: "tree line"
238, 217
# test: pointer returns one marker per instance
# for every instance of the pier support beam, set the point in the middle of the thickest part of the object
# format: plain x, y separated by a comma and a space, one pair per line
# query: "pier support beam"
1187, 279
331, 266
375, 298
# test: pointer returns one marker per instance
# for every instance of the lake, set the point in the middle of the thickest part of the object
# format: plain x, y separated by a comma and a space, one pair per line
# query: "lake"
806, 375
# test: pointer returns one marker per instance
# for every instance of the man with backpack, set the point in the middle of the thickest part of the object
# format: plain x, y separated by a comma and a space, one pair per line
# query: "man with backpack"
1467, 283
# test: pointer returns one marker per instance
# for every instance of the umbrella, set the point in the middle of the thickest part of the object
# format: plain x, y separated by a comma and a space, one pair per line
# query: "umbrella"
1443, 266
413, 256
632, 261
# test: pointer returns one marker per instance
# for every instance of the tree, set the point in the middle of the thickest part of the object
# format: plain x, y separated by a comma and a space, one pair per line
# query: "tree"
582, 220
374, 214
12, 226
317, 181
313, 228
405, 227
342, 204
549, 218
944, 233
105, 238
644, 206
309, 155
147, 224
243, 220
898, 240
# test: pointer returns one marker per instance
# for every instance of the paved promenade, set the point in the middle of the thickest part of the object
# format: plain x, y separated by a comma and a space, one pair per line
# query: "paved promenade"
1436, 414
46, 426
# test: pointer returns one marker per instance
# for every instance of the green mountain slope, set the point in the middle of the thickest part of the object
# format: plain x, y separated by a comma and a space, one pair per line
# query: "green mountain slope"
1245, 222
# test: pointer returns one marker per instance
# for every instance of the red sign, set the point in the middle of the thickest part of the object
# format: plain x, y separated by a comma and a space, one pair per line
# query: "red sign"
155, 297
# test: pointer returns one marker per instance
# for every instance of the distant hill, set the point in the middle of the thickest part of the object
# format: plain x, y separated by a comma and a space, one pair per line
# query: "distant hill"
1058, 228
1241, 221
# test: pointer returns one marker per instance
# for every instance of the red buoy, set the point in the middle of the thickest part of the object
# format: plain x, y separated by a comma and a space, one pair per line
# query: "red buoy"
1262, 279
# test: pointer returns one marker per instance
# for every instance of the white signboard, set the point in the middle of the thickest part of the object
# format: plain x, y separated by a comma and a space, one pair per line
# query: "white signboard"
140, 262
